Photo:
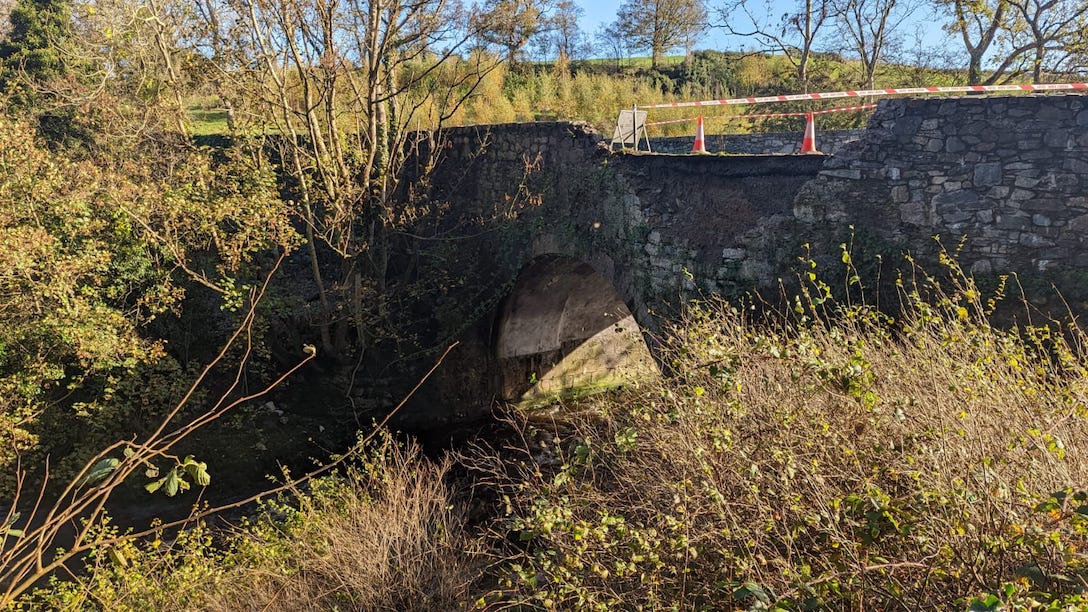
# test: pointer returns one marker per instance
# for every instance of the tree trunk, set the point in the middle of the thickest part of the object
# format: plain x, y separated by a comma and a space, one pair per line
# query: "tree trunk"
974, 69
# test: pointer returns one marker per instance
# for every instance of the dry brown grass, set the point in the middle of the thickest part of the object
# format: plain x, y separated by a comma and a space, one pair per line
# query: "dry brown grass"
385, 536
829, 458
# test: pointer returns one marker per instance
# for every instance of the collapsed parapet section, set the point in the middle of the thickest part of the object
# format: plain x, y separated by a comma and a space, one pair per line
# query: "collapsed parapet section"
764, 143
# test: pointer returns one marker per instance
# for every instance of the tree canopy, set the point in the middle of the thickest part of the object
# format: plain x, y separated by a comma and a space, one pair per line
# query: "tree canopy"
660, 25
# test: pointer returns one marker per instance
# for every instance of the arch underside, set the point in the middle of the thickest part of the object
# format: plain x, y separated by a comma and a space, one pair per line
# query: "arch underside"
564, 331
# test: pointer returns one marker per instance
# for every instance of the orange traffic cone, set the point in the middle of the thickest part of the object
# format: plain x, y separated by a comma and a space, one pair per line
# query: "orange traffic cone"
808, 145
700, 138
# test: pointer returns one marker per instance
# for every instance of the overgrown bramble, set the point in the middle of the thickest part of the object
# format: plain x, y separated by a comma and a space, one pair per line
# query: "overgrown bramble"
832, 456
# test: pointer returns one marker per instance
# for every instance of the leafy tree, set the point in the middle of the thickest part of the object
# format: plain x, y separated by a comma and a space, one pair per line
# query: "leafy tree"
612, 42
1004, 39
660, 25
795, 36
348, 85
67, 264
869, 28
1044, 34
90, 253
509, 24
32, 60
561, 35
978, 23
32, 47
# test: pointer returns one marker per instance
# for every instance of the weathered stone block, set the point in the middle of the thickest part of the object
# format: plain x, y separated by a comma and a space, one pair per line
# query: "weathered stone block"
1051, 112
755, 270
853, 174
1054, 253
1029, 239
1037, 155
1012, 222
982, 266
1047, 205
1078, 224
1058, 139
1021, 194
1080, 166
961, 199
956, 216
914, 213
905, 127
987, 174
953, 144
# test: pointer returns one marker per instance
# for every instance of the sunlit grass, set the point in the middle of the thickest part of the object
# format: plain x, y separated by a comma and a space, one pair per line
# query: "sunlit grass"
820, 455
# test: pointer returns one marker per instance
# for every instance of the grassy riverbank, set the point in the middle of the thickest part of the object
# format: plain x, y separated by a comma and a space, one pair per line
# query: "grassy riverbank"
829, 456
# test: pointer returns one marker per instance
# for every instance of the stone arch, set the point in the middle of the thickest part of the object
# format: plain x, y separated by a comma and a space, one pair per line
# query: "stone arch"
564, 331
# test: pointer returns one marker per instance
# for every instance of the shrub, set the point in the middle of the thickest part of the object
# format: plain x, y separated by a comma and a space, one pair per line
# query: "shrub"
381, 535
827, 457
824, 456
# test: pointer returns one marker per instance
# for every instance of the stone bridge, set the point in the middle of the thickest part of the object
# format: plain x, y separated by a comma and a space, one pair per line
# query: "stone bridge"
600, 245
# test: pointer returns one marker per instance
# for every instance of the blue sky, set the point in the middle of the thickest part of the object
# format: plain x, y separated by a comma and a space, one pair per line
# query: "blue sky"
600, 12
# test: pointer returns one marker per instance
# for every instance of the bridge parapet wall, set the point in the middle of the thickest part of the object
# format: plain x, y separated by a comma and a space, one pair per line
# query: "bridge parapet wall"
648, 223
486, 162
1009, 174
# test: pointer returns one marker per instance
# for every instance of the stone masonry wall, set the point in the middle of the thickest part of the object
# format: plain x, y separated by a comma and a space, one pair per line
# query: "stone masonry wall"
658, 226
1008, 174
716, 224
485, 163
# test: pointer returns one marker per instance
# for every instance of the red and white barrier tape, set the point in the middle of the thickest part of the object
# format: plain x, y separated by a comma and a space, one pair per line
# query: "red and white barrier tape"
876, 92
825, 111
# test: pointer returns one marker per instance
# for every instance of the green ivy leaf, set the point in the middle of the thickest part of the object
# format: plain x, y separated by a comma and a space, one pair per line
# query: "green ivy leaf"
198, 471
751, 589
170, 487
6, 530
100, 471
